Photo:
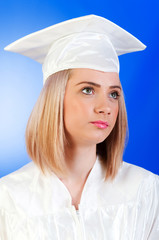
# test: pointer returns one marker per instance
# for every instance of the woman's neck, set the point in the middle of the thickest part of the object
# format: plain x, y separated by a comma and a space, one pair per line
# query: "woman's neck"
80, 161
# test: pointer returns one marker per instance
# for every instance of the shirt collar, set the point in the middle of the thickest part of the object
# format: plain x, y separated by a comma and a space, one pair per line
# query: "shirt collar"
89, 192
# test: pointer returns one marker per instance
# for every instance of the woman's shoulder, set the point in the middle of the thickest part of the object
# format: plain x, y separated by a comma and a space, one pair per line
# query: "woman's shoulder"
23, 174
131, 185
135, 179
19, 182
132, 172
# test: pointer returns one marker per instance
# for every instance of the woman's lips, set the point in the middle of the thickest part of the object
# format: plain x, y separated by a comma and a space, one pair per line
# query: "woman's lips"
100, 124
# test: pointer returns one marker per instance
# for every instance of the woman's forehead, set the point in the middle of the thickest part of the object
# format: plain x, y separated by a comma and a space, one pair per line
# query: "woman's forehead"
85, 74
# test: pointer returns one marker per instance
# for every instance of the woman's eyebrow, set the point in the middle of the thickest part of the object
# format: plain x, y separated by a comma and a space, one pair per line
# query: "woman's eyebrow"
91, 83
115, 86
98, 85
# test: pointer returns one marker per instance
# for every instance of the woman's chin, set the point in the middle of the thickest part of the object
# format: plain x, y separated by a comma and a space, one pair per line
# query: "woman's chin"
87, 139
96, 139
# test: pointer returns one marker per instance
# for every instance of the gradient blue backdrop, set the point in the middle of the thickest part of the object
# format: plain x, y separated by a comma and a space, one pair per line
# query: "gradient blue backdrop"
21, 77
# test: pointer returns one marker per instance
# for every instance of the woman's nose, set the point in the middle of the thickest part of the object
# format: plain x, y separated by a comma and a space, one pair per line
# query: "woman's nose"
102, 105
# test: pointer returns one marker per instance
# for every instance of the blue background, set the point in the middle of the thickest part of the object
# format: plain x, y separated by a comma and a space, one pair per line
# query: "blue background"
21, 77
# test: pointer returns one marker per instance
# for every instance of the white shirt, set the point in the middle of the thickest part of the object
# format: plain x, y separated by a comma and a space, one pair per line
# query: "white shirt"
38, 207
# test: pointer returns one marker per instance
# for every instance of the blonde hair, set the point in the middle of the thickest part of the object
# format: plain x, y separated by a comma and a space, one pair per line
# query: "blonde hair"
112, 148
45, 134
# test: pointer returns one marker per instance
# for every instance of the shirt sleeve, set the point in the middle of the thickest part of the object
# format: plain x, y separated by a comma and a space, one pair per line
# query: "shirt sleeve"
2, 221
153, 217
3, 227
5, 204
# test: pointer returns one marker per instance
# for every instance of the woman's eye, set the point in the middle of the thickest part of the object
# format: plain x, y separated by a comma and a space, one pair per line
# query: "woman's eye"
88, 90
115, 95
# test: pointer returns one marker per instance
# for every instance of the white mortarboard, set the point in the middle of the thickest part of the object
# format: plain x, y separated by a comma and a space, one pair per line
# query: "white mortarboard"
85, 42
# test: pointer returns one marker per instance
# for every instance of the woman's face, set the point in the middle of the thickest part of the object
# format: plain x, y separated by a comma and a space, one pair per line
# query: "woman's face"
90, 96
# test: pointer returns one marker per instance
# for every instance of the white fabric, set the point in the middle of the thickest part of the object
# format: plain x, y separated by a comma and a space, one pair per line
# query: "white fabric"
33, 206
81, 50
85, 42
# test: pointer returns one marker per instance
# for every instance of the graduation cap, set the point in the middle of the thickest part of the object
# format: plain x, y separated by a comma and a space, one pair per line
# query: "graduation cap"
85, 42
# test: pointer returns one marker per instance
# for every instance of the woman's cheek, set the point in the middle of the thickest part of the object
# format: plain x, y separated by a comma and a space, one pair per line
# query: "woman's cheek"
80, 106
116, 111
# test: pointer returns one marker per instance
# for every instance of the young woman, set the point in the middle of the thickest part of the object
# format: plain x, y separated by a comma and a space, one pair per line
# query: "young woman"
77, 186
